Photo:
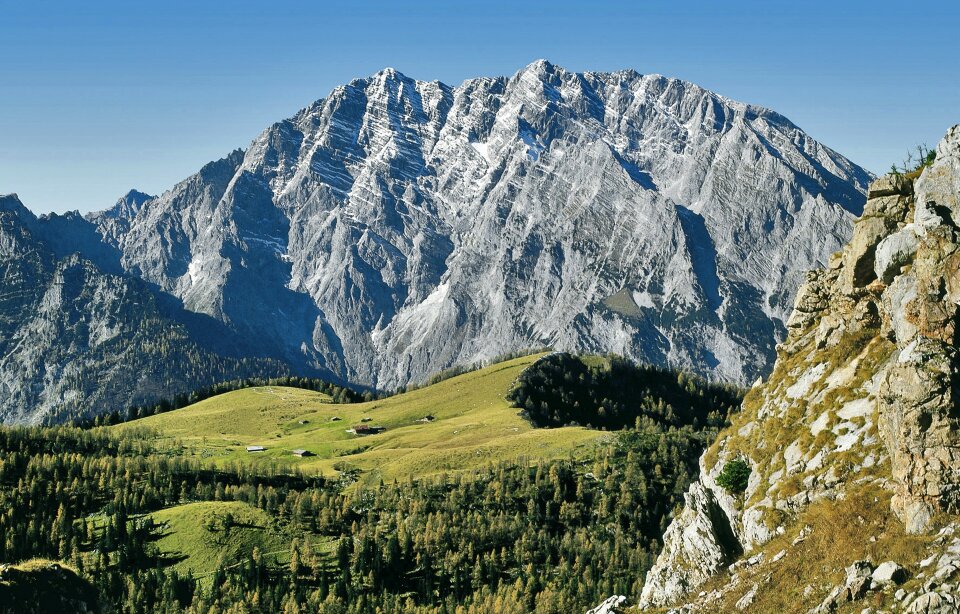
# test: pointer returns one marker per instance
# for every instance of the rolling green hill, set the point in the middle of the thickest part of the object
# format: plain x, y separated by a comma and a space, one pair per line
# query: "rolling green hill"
195, 537
473, 424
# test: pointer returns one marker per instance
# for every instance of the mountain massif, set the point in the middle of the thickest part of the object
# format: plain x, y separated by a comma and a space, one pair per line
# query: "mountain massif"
399, 227
851, 444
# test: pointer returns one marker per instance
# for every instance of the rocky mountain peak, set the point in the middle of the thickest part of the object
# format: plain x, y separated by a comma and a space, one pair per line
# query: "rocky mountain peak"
541, 67
543, 75
17, 224
7, 200
10, 203
859, 416
392, 208
390, 74
131, 202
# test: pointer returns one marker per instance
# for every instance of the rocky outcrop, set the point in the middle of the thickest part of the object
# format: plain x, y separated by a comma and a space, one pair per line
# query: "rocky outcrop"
855, 588
862, 398
701, 537
611, 605
920, 414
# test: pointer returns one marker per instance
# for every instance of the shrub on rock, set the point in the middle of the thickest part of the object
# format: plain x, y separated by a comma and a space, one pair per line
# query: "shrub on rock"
734, 476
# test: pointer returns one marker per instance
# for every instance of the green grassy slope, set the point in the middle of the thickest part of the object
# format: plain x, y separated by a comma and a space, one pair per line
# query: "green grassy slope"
473, 425
196, 536
257, 535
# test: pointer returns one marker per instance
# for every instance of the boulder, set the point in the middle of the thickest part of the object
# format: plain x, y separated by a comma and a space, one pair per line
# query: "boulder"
611, 605
890, 185
747, 600
858, 580
933, 603
894, 252
889, 572
858, 269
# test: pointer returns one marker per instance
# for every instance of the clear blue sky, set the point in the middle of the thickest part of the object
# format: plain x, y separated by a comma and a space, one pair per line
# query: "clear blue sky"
99, 97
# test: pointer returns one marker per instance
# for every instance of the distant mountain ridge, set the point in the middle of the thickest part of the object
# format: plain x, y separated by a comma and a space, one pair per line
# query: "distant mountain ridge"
398, 227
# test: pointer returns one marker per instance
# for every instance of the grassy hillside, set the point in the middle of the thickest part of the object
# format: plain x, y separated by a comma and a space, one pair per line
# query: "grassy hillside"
473, 424
823, 540
195, 537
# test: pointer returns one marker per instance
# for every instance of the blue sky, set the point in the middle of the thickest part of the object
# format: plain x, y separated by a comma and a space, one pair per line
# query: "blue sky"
100, 97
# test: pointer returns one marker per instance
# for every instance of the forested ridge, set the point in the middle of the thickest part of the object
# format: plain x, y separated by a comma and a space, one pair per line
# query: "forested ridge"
554, 536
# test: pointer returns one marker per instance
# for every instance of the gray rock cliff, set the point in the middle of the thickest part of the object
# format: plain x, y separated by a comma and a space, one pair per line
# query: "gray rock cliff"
77, 342
398, 227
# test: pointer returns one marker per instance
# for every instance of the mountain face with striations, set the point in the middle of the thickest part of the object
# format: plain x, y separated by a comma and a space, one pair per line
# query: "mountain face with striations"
398, 227
77, 341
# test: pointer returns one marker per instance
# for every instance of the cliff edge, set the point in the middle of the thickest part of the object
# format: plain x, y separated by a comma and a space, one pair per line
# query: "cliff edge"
853, 442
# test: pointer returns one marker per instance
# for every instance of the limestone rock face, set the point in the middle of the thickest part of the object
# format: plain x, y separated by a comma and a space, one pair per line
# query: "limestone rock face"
863, 394
702, 538
398, 227
920, 413
611, 605
894, 252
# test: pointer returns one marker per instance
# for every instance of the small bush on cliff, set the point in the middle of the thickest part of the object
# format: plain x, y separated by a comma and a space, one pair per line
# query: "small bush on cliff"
915, 161
734, 476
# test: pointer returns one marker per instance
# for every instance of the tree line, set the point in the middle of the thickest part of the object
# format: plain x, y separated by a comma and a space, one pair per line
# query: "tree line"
513, 537
337, 393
